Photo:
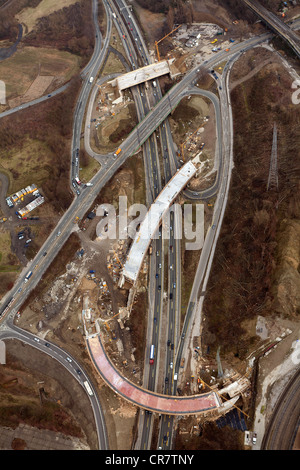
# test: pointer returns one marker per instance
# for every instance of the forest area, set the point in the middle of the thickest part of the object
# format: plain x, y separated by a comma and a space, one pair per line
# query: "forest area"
8, 22
51, 124
68, 29
180, 11
252, 275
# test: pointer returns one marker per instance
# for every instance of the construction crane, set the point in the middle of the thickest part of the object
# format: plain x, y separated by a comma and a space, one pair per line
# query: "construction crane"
157, 42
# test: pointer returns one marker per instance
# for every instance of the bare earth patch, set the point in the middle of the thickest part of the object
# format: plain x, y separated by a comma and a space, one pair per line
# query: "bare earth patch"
36, 89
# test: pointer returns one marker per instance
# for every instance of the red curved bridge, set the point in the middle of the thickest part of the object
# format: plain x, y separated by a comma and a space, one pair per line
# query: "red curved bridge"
155, 402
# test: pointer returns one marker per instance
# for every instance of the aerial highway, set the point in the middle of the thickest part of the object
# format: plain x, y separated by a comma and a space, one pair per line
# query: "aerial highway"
154, 402
284, 423
11, 331
275, 24
82, 203
154, 119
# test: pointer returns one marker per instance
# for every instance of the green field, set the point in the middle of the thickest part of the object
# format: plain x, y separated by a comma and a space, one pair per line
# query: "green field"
26, 64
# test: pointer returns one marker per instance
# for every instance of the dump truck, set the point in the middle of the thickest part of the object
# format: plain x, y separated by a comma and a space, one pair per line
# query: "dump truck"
117, 152
182, 362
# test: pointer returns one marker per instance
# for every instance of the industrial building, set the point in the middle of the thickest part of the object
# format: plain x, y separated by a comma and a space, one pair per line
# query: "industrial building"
23, 192
31, 206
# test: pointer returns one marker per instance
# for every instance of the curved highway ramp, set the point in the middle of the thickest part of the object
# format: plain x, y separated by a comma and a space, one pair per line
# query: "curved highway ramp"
155, 402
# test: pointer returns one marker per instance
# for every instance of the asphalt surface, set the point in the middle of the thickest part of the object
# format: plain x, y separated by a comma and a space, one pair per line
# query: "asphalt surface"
136, 138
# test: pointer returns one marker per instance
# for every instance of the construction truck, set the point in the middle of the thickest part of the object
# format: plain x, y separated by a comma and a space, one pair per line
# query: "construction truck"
182, 362
117, 152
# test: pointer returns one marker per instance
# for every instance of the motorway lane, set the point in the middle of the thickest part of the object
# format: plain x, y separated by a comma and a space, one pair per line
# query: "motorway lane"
154, 183
207, 253
98, 40
79, 207
94, 66
212, 190
13, 332
100, 180
153, 186
284, 423
277, 25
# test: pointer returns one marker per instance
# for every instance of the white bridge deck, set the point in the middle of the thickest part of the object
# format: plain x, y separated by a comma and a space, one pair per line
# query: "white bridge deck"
153, 218
141, 75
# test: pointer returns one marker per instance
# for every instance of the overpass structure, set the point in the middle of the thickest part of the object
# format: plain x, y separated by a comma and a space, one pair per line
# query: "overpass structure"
153, 218
276, 25
155, 402
141, 75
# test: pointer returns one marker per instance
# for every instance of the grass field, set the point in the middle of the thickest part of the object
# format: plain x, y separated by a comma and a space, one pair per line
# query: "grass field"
27, 63
26, 165
29, 16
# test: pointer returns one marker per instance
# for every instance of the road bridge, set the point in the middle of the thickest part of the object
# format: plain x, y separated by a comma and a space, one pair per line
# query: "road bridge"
155, 402
276, 25
153, 218
142, 74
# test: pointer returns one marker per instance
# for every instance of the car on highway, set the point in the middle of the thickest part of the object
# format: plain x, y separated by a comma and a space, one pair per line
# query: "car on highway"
68, 359
78, 371
48, 345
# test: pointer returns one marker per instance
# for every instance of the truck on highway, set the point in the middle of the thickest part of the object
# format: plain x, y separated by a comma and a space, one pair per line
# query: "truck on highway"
91, 79
151, 360
117, 152
89, 184
28, 276
88, 388
154, 83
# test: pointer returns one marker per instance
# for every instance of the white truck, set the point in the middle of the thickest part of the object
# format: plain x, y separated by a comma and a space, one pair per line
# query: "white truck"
91, 79
28, 275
